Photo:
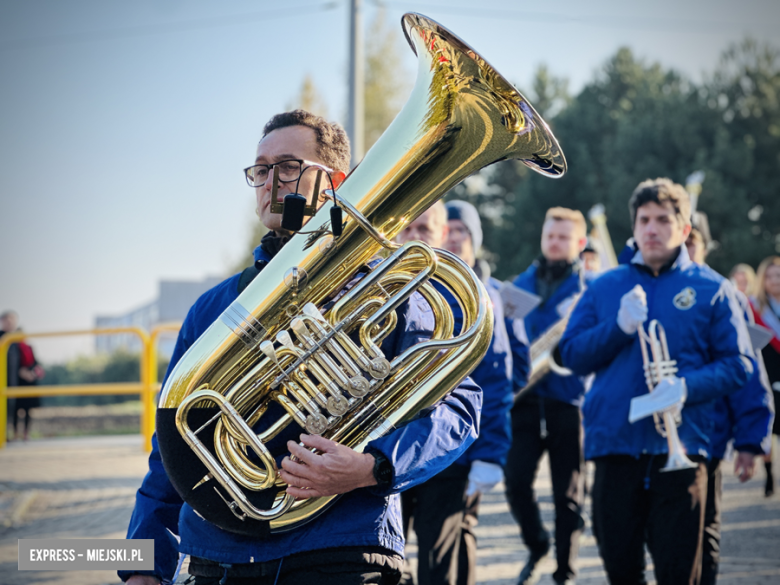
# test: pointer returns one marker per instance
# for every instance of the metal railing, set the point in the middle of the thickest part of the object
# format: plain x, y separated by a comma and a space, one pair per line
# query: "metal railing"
146, 387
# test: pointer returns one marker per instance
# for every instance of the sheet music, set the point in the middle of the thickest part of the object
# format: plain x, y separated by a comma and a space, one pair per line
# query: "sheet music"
759, 336
517, 302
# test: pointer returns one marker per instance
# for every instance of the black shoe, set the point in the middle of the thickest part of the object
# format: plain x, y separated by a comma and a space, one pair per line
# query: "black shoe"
769, 488
530, 573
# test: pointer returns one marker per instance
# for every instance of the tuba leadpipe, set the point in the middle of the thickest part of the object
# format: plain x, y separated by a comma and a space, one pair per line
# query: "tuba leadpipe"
293, 350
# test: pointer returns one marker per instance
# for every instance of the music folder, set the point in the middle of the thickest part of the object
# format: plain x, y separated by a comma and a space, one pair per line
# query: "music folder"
517, 302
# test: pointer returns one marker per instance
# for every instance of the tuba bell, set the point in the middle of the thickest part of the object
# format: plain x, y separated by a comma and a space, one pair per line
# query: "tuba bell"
291, 351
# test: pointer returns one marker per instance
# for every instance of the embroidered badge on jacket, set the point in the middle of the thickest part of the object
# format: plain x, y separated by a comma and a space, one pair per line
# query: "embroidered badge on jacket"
685, 299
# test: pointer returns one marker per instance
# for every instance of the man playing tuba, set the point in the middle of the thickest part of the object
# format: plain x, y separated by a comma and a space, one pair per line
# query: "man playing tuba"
634, 501
359, 539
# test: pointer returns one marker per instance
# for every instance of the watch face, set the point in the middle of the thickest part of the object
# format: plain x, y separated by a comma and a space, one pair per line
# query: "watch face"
383, 470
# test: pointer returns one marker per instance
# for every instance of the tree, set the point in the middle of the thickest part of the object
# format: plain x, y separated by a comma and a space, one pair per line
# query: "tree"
550, 93
119, 366
742, 186
309, 98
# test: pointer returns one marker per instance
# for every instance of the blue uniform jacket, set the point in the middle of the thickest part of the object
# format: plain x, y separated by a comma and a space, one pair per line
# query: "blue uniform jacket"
747, 414
494, 376
567, 389
706, 334
518, 342
363, 517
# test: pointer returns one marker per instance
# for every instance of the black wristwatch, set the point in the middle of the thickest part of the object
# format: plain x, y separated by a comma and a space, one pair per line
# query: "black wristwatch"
383, 470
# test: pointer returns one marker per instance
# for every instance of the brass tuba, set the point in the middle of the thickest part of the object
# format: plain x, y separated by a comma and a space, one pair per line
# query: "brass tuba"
291, 350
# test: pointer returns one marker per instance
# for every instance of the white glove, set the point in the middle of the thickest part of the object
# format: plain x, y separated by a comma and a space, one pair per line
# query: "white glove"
483, 476
633, 310
668, 396
673, 386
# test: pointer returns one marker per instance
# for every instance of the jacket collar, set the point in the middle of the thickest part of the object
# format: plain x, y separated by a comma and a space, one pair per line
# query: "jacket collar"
527, 281
482, 270
680, 261
555, 270
269, 247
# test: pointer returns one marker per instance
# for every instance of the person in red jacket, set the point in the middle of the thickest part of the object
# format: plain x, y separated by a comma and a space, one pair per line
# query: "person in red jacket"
766, 307
23, 370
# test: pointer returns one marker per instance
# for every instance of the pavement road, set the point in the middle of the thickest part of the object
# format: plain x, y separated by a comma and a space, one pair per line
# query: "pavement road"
85, 488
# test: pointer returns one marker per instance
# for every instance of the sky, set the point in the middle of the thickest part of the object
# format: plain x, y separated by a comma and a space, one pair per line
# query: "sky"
125, 126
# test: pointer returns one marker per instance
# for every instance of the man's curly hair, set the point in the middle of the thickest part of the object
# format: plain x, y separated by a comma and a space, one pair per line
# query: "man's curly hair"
660, 191
332, 140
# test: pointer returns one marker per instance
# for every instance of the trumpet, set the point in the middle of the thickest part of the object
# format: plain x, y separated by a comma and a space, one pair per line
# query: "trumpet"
658, 365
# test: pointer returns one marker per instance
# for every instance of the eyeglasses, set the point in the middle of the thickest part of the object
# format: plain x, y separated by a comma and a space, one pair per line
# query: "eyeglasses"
458, 230
289, 171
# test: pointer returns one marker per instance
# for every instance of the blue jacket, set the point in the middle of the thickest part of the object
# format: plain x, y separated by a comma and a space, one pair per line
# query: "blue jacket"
706, 334
567, 389
747, 414
363, 517
494, 376
628, 252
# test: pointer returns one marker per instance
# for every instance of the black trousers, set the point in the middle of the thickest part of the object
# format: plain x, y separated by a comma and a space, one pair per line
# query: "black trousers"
336, 566
711, 541
634, 503
25, 404
443, 519
540, 425
467, 554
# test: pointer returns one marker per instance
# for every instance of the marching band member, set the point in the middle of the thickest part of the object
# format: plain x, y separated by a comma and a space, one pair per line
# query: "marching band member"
634, 502
745, 416
547, 418
591, 261
443, 510
359, 539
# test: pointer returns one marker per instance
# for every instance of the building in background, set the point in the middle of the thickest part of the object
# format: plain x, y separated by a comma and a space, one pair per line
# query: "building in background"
171, 305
